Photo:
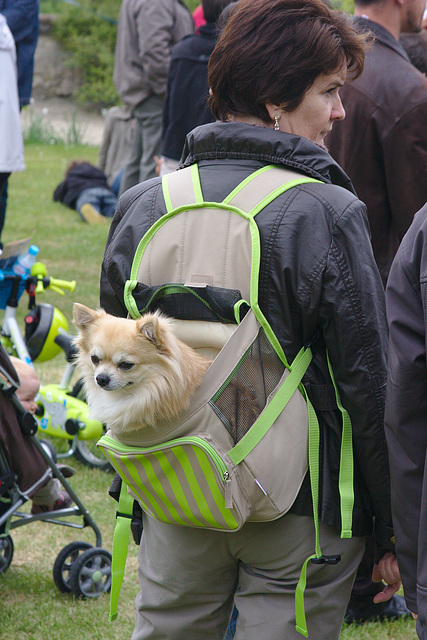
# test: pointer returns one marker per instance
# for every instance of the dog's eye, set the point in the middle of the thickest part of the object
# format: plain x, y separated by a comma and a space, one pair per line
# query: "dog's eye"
95, 359
126, 365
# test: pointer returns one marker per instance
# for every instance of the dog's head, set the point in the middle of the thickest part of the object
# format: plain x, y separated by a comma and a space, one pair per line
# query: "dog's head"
120, 352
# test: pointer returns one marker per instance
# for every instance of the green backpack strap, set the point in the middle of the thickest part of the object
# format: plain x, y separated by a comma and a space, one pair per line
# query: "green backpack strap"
346, 491
120, 547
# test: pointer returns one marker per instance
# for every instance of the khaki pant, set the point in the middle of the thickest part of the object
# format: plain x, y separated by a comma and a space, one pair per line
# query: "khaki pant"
190, 578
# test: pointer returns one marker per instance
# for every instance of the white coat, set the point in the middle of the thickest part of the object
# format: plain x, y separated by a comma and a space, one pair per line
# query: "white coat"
11, 142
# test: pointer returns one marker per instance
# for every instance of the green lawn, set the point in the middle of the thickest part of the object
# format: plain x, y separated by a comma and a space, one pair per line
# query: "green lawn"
32, 608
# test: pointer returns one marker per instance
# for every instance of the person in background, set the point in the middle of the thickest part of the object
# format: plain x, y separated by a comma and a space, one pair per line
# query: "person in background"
415, 45
12, 146
23, 21
198, 17
86, 190
406, 412
115, 145
275, 77
382, 143
382, 146
186, 101
146, 33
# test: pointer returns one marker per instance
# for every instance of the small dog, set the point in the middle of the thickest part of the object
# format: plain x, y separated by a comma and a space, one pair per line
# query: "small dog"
136, 373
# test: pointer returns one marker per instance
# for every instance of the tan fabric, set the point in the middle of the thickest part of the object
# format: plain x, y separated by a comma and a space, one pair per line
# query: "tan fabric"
190, 576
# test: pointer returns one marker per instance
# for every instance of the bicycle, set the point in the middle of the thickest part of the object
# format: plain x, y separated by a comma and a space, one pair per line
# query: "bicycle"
62, 412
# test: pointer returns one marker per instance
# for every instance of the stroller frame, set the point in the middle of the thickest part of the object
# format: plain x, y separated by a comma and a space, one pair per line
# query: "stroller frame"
79, 568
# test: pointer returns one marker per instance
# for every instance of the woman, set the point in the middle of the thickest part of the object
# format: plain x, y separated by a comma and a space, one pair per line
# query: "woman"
12, 146
275, 76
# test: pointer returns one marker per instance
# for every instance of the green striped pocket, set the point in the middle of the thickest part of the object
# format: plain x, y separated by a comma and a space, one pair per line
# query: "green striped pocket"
183, 481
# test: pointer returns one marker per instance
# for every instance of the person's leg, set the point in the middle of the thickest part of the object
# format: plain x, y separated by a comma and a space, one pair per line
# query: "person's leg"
3, 199
187, 578
108, 203
88, 205
149, 114
272, 556
117, 182
131, 169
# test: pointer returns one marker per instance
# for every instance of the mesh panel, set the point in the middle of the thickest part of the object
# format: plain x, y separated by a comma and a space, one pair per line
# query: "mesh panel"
241, 400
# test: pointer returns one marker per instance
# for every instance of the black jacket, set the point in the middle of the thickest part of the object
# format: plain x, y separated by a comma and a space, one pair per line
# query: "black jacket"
83, 176
382, 142
406, 412
318, 278
186, 102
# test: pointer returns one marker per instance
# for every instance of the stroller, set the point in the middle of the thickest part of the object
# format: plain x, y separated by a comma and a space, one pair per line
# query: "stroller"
79, 568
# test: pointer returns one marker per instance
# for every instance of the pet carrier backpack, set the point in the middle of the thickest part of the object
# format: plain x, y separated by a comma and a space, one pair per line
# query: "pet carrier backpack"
240, 452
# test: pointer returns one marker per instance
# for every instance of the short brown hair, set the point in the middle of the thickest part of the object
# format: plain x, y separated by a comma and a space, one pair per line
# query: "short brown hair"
273, 50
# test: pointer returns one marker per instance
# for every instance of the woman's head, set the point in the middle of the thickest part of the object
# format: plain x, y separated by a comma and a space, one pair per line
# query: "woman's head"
272, 51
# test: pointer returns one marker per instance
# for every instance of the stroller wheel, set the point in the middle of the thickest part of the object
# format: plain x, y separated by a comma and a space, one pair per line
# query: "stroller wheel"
6, 552
90, 575
64, 563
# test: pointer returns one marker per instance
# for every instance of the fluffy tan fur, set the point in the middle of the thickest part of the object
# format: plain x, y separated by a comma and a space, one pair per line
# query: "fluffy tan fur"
136, 373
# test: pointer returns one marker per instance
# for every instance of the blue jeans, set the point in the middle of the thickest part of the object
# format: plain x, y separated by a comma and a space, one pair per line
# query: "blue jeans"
232, 626
103, 200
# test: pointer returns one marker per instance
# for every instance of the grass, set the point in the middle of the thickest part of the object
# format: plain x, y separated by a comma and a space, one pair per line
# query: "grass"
32, 607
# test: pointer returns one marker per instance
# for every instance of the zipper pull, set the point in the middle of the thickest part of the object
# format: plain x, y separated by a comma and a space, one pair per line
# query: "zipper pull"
227, 492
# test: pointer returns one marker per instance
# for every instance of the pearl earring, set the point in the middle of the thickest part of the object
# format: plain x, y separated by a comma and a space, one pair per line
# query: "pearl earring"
276, 123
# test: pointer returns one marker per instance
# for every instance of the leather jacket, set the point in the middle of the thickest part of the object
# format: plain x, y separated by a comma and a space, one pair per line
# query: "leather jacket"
406, 412
382, 142
318, 283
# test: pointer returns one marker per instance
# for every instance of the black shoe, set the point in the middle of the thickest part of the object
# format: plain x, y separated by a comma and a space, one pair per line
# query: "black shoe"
396, 608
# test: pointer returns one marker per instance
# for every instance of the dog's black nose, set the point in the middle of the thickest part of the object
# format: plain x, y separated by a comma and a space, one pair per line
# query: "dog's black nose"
103, 380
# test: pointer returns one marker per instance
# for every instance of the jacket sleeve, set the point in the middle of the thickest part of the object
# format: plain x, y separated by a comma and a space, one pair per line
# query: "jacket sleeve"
60, 191
405, 164
155, 36
406, 408
353, 320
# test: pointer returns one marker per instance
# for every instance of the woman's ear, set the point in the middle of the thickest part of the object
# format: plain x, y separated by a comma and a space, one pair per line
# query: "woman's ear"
273, 110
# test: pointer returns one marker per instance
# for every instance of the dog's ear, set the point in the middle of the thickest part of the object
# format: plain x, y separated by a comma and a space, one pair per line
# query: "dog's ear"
150, 328
83, 317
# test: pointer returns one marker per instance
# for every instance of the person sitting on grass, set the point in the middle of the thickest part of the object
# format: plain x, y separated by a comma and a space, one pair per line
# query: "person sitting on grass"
85, 189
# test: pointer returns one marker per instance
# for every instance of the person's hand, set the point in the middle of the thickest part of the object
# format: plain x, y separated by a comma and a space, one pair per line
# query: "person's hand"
414, 615
388, 570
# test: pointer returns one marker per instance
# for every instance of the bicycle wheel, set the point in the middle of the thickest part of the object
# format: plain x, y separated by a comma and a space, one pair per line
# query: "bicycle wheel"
88, 453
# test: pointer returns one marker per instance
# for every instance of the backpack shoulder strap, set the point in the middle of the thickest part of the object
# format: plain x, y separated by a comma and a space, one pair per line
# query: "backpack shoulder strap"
255, 192
264, 186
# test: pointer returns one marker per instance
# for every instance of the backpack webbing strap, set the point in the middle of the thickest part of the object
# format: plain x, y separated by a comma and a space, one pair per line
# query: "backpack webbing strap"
253, 194
182, 187
120, 547
313, 464
273, 409
346, 475
263, 186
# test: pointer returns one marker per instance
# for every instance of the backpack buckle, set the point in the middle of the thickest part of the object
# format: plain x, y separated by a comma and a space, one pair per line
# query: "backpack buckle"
326, 560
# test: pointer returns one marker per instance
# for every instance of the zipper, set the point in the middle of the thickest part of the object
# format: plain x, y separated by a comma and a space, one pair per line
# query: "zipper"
219, 463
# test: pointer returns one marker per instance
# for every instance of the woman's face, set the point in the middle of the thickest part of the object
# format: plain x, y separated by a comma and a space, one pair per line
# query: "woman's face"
321, 106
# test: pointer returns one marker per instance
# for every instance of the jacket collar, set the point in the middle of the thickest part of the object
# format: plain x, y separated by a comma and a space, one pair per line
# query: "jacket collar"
238, 141
381, 35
